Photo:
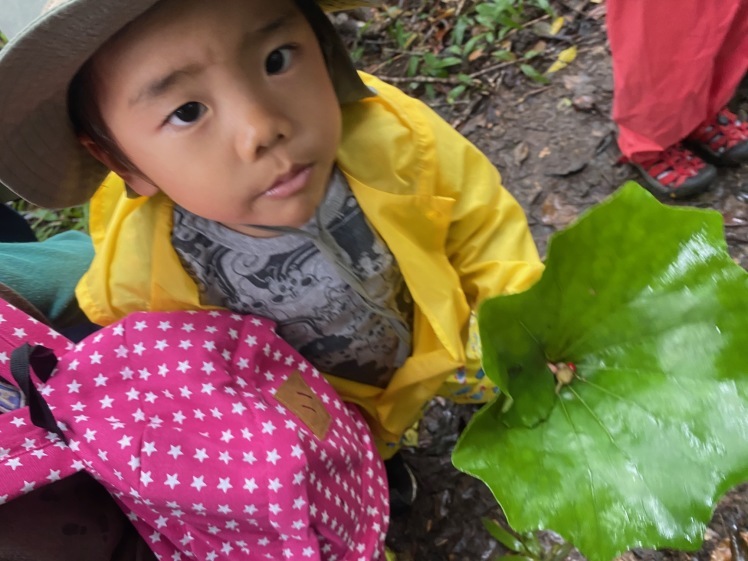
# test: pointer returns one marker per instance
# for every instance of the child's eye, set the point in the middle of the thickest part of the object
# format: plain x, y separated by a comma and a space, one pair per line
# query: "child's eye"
278, 60
186, 114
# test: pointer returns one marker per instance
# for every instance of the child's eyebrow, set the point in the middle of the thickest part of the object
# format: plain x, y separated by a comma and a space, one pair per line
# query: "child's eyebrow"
263, 31
161, 85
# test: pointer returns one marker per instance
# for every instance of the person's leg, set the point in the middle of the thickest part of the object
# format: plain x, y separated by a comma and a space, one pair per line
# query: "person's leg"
731, 63
46, 273
664, 56
723, 137
13, 226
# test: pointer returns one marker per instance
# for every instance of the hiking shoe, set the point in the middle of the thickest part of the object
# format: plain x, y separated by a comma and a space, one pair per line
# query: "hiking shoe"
676, 172
722, 141
402, 483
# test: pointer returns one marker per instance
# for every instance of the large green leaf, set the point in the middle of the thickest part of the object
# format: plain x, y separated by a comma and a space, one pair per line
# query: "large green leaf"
636, 451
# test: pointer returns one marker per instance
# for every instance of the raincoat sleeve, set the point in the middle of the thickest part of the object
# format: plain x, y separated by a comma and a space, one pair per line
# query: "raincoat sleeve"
489, 243
459, 237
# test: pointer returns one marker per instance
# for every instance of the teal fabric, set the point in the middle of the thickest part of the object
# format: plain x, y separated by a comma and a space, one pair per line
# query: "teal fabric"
45, 273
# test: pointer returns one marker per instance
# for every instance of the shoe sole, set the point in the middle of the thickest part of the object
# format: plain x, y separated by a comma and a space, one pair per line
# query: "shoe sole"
721, 160
685, 191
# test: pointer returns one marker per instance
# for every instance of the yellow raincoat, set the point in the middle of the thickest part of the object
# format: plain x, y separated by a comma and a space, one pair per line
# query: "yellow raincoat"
434, 198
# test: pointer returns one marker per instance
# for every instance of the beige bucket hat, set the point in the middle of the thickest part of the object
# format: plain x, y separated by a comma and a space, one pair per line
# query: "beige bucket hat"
41, 159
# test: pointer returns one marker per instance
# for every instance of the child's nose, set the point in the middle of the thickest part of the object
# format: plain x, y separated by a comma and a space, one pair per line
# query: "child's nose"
259, 130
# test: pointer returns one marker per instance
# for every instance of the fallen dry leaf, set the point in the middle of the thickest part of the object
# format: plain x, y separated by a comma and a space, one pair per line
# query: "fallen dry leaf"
520, 152
564, 59
539, 46
710, 535
544, 152
475, 55
628, 556
557, 212
598, 12
556, 26
579, 84
722, 551
734, 212
583, 102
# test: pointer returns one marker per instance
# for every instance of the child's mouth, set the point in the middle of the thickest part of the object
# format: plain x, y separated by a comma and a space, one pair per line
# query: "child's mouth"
290, 183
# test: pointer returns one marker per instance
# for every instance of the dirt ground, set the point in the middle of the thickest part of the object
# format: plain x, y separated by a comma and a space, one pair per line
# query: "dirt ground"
558, 159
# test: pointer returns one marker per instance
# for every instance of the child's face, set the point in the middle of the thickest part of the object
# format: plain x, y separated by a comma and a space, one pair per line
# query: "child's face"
224, 105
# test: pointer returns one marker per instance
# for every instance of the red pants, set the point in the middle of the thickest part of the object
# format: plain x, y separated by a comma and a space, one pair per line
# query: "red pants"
676, 63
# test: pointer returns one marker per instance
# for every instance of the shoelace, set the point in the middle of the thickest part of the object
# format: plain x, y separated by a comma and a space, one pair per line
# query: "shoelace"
672, 167
724, 132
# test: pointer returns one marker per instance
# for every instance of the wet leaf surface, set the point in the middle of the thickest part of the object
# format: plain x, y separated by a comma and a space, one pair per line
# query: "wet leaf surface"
656, 324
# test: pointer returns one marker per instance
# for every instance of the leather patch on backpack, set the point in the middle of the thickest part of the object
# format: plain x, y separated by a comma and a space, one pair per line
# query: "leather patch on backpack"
297, 396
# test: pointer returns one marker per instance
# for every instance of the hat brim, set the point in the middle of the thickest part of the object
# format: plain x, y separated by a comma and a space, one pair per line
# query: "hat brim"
41, 159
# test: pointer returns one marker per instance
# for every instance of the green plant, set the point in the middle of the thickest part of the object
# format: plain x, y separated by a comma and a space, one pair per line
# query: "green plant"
525, 546
438, 48
402, 37
652, 429
46, 223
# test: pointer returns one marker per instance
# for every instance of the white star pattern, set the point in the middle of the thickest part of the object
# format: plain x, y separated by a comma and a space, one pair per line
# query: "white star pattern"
198, 482
172, 481
54, 475
224, 484
161, 344
175, 451
201, 455
250, 485
149, 448
73, 386
169, 455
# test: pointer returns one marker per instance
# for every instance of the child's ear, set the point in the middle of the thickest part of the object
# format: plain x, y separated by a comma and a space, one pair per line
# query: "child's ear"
134, 180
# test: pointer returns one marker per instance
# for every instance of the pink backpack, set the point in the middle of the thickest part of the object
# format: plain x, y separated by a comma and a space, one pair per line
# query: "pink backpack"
214, 436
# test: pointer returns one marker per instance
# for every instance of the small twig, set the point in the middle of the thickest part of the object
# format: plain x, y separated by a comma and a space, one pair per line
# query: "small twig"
531, 93
580, 11
526, 25
420, 80
467, 113
402, 52
489, 69
384, 63
460, 6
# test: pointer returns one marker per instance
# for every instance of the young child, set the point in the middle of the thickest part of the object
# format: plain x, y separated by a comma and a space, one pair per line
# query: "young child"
255, 170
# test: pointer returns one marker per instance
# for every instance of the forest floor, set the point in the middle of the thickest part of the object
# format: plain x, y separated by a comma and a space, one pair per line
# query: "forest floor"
554, 144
